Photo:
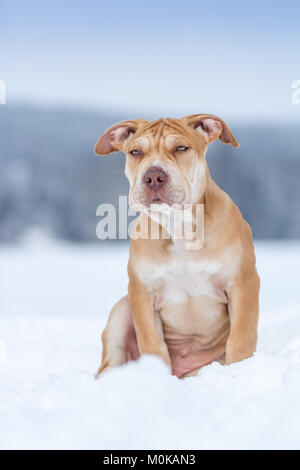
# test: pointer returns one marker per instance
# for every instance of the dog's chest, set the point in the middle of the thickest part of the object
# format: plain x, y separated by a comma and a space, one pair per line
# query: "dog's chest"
180, 279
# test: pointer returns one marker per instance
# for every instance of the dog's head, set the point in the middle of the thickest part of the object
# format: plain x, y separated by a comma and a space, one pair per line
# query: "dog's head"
165, 159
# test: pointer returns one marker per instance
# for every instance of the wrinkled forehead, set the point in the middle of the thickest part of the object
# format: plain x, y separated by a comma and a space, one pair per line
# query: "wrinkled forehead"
162, 132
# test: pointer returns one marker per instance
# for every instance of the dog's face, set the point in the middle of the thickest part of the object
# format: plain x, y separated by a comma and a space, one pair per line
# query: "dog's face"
165, 159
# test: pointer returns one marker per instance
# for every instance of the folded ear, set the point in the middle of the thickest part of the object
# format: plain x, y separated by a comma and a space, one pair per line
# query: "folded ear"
211, 127
116, 136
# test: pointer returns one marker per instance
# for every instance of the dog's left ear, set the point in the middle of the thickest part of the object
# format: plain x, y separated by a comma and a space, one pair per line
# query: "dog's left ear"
116, 136
211, 127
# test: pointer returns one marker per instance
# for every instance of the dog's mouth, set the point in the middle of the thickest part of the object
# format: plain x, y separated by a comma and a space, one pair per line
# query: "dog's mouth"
166, 196
156, 200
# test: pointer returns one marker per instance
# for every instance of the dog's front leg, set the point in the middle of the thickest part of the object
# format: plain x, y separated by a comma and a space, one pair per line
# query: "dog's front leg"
149, 337
243, 309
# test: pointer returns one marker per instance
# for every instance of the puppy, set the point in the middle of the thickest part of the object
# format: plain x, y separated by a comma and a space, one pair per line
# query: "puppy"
190, 300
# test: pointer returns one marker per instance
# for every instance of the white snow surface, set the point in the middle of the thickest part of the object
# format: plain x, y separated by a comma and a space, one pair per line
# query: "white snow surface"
54, 302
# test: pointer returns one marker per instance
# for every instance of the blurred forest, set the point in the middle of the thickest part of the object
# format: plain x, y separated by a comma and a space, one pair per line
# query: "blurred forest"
51, 179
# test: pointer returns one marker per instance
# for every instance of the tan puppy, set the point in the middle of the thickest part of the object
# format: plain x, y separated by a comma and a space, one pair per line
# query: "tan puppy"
187, 306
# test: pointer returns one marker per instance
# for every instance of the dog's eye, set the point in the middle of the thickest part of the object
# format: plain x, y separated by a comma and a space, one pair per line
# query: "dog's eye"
181, 148
135, 152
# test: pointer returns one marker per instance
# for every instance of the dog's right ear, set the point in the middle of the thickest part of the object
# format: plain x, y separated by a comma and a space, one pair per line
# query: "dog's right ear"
116, 136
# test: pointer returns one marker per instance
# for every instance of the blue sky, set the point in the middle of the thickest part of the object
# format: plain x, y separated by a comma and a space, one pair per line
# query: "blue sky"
163, 57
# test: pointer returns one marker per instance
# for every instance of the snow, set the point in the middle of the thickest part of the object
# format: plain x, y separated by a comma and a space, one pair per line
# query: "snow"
54, 302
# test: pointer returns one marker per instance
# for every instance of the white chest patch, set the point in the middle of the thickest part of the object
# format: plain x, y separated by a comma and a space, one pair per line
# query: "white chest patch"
176, 281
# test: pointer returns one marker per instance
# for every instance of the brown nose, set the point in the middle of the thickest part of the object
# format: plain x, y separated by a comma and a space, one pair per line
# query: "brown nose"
155, 178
